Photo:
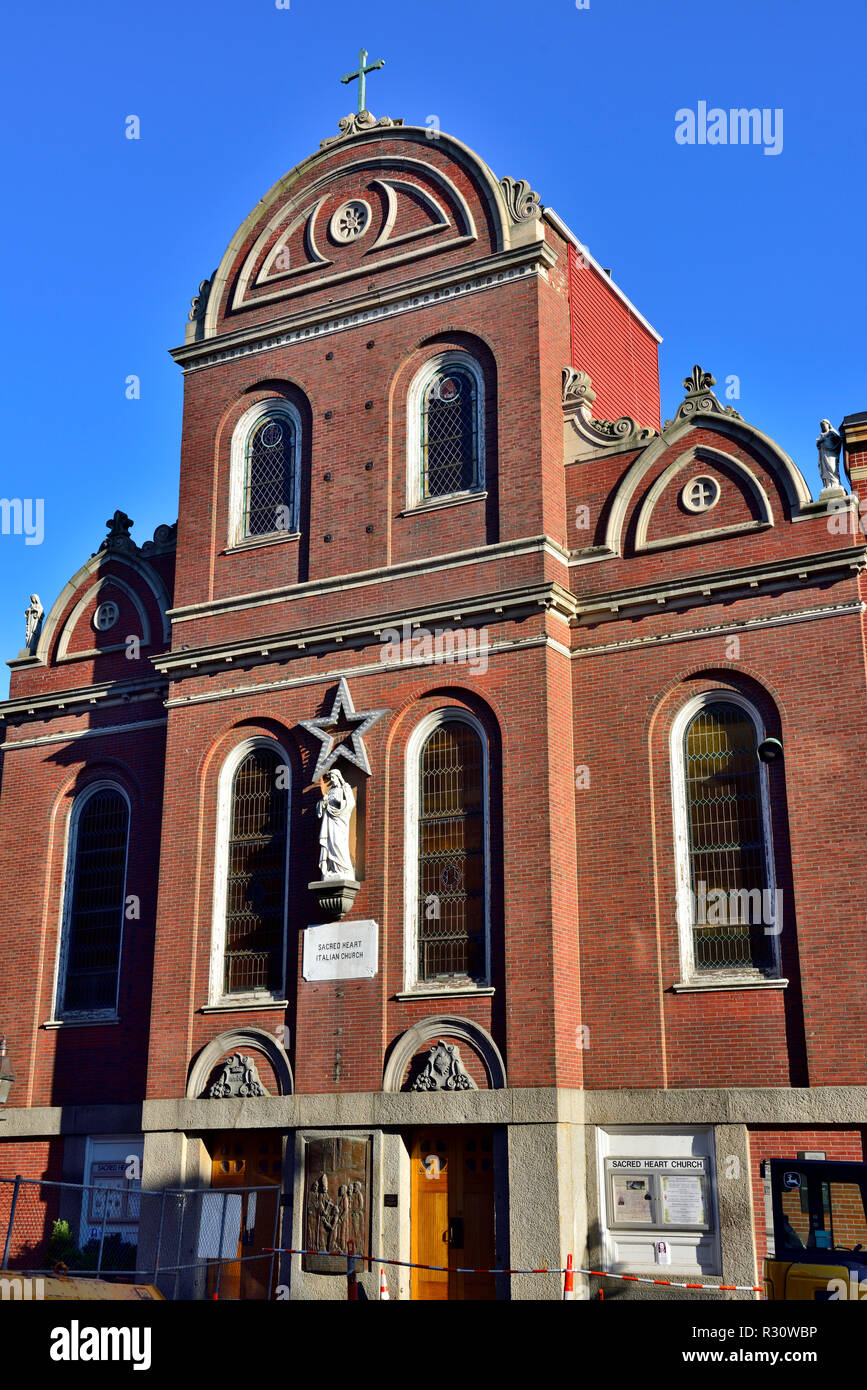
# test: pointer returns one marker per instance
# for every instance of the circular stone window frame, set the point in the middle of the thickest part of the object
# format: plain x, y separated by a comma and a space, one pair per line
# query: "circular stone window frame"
103, 608
345, 239
698, 510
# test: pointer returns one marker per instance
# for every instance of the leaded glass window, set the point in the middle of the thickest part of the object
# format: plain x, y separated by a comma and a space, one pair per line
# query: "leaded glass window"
451, 854
269, 501
450, 432
732, 911
97, 903
256, 886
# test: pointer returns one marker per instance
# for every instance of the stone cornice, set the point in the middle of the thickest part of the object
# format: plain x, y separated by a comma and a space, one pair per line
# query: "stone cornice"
496, 607
81, 699
469, 278
694, 588
383, 574
721, 629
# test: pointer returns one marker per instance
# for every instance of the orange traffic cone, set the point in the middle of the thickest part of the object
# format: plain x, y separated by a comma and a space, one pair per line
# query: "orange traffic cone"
569, 1287
384, 1295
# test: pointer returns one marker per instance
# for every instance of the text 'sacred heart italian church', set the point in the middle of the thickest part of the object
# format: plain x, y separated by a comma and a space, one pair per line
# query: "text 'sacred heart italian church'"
454, 826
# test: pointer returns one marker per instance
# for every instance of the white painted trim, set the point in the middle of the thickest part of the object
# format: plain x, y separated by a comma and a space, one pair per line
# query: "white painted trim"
59, 1015
221, 865
688, 972
415, 743
414, 442
274, 406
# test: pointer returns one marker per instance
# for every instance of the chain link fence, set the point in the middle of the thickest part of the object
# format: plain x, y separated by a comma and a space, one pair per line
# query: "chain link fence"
215, 1243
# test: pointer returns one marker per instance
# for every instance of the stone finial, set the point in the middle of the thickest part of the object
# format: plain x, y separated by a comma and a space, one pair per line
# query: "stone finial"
118, 537
523, 203
199, 307
829, 444
700, 399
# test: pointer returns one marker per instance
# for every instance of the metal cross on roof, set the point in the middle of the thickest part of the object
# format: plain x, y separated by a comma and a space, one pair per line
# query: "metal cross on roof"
361, 74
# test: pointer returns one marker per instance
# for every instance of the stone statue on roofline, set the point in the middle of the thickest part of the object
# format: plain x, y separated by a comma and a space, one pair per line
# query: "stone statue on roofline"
829, 444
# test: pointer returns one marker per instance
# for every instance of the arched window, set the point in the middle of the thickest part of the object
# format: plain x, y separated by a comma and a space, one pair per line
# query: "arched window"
95, 900
447, 846
251, 873
265, 459
446, 432
729, 912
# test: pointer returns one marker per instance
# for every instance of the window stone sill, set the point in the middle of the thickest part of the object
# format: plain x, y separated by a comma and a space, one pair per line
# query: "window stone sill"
275, 538
242, 1004
80, 1022
729, 982
455, 499
446, 992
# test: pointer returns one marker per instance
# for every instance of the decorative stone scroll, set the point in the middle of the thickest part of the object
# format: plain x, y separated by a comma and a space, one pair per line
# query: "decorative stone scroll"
523, 203
356, 124
443, 1071
239, 1077
578, 397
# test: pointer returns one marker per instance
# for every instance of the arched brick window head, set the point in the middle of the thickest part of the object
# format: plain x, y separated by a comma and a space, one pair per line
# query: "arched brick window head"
256, 876
100, 832
451, 854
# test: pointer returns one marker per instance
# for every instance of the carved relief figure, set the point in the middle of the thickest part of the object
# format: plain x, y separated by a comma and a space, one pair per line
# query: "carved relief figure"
335, 811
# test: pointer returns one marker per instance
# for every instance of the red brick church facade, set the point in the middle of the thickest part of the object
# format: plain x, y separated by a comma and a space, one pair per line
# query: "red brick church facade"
590, 681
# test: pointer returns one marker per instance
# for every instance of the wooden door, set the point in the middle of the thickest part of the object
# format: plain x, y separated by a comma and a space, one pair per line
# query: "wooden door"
244, 1160
453, 1212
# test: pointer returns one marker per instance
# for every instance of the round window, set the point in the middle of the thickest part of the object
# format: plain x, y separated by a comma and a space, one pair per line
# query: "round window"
106, 616
700, 494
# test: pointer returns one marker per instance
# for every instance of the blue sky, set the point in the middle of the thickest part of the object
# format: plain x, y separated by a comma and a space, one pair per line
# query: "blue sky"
750, 264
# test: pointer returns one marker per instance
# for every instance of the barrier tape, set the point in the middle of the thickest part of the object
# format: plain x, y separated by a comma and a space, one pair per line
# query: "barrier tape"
452, 1269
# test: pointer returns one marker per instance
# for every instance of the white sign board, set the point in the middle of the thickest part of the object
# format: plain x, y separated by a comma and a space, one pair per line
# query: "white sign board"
341, 951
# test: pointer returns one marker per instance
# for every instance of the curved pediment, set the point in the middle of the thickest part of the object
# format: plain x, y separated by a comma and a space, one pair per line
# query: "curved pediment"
703, 494
751, 470
381, 199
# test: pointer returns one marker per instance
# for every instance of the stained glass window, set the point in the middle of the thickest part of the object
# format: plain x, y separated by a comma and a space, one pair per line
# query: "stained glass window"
269, 502
96, 915
451, 851
450, 432
256, 886
730, 902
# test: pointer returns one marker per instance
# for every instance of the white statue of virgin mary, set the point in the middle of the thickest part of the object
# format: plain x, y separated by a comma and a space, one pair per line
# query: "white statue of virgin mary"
335, 811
